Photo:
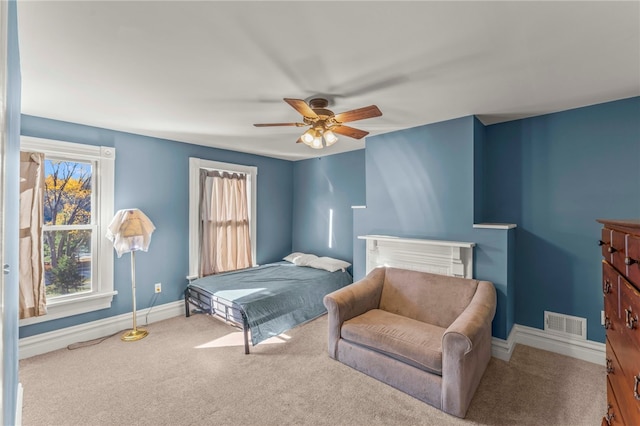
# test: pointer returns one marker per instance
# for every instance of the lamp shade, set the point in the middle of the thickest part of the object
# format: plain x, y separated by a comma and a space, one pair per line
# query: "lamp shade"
130, 230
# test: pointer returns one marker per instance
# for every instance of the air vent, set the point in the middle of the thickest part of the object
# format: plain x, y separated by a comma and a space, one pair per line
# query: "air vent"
565, 325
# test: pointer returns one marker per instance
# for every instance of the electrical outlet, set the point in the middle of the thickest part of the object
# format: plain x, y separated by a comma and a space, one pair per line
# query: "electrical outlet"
158, 287
601, 317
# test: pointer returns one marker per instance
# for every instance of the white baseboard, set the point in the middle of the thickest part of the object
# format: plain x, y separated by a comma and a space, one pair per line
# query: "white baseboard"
19, 405
58, 339
502, 349
585, 350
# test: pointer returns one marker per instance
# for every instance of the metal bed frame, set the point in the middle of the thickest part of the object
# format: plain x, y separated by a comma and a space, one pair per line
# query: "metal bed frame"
206, 302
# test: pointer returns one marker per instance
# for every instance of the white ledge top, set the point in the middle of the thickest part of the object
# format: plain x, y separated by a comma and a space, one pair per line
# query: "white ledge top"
416, 241
494, 225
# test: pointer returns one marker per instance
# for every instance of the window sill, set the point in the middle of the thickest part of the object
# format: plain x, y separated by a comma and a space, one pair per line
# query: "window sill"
69, 307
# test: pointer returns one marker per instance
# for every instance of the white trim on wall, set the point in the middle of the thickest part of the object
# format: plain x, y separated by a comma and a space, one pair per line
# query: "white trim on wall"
494, 225
102, 159
453, 258
586, 350
195, 164
19, 398
61, 338
503, 349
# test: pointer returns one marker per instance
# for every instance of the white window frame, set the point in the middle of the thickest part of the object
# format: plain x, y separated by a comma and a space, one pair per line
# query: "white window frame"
195, 165
101, 295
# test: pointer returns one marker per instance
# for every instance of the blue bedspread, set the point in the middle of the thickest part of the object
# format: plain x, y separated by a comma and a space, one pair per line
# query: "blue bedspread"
277, 296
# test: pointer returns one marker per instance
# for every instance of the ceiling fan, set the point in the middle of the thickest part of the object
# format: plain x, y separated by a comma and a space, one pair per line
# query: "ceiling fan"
324, 123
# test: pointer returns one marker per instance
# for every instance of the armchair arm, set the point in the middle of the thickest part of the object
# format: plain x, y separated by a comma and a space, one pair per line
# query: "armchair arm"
351, 301
477, 316
466, 350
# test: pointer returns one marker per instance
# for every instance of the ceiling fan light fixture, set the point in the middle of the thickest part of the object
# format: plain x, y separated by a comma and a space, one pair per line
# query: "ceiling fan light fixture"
317, 143
330, 138
308, 137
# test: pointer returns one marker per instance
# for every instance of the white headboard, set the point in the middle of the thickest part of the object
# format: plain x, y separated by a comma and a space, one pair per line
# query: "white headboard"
452, 258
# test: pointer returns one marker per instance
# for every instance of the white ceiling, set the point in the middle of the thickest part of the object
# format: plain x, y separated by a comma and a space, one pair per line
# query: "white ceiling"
204, 72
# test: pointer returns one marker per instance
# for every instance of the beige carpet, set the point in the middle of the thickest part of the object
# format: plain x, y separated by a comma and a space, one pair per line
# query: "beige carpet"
185, 373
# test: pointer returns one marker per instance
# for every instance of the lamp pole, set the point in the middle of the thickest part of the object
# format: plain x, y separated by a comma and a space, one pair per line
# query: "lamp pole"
134, 334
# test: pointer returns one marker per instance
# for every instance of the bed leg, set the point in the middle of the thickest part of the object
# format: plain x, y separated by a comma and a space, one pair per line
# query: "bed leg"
245, 331
187, 311
246, 340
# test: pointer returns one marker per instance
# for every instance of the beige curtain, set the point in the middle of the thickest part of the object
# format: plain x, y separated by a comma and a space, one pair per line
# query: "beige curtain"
31, 270
225, 234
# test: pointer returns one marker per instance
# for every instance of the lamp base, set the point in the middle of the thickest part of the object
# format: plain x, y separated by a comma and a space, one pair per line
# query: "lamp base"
133, 335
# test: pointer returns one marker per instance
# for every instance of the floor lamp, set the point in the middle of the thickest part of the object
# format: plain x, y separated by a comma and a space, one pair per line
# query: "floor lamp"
130, 231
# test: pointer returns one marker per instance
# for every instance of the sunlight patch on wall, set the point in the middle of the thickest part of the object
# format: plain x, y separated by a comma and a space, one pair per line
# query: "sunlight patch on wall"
330, 227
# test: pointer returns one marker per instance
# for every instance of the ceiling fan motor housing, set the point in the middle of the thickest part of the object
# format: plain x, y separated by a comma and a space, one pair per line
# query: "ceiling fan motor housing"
318, 103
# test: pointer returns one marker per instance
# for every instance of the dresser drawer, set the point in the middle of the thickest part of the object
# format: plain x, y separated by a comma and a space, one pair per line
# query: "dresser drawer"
605, 244
632, 259
610, 292
613, 415
618, 250
627, 352
623, 333
612, 364
630, 311
622, 380
627, 405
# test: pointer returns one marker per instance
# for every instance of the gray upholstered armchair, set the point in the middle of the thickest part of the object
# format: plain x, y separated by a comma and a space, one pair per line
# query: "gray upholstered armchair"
425, 334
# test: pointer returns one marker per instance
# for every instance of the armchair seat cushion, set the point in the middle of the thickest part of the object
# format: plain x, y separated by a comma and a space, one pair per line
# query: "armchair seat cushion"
413, 342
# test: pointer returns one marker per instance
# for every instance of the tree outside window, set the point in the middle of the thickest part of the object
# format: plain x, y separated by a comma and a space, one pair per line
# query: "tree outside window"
68, 227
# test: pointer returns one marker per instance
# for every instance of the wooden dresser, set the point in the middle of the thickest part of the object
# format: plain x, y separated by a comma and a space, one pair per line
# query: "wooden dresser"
620, 243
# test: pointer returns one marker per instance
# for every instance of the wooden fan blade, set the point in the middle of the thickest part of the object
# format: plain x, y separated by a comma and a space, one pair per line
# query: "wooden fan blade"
358, 114
302, 107
279, 124
349, 131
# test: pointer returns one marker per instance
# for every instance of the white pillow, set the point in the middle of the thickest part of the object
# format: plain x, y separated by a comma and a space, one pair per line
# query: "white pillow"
329, 264
305, 259
292, 257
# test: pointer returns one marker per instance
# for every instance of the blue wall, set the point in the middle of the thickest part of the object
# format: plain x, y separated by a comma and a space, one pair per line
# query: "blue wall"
554, 175
11, 194
479, 134
334, 183
420, 184
152, 175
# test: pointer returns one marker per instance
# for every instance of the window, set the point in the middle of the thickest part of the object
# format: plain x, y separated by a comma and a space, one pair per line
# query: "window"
195, 165
69, 231
78, 206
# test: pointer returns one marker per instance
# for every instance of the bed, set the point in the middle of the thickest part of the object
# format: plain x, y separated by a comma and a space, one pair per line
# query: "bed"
266, 300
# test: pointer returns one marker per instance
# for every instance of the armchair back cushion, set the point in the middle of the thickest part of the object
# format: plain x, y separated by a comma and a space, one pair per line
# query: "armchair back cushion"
433, 299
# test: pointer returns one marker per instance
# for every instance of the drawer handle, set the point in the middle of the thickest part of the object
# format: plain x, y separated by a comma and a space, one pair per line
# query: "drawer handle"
607, 323
609, 416
629, 320
629, 261
636, 382
612, 249
609, 366
601, 243
606, 286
